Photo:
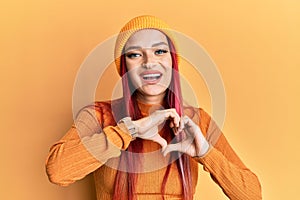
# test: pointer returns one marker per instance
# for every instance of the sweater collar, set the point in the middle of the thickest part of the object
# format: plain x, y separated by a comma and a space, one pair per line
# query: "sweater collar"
147, 109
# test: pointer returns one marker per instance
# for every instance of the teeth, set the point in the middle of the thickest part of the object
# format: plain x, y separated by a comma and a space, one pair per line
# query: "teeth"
151, 76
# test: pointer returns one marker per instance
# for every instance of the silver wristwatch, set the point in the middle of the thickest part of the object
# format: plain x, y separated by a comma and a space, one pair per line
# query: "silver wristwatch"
127, 126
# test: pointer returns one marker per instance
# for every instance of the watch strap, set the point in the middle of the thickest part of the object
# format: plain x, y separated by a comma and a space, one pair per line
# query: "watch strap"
127, 125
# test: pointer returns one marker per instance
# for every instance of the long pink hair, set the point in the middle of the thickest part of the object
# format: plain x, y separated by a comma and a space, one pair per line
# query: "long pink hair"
173, 99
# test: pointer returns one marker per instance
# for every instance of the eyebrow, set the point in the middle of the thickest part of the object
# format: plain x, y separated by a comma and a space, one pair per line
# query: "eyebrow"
139, 47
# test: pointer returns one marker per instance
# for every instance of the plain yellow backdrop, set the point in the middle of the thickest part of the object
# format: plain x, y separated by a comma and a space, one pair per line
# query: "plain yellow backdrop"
255, 44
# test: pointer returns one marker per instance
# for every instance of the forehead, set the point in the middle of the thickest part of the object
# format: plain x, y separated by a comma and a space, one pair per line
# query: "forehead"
146, 38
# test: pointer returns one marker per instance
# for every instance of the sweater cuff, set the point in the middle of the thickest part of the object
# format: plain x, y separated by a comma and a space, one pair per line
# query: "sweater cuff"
210, 157
117, 137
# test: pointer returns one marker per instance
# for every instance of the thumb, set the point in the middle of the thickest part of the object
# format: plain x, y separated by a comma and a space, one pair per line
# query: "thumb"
173, 147
158, 139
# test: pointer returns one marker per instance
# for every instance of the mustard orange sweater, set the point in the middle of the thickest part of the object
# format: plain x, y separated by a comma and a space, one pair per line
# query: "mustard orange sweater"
95, 143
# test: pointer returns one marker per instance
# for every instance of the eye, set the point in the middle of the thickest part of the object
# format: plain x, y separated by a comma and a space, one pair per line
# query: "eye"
133, 55
161, 51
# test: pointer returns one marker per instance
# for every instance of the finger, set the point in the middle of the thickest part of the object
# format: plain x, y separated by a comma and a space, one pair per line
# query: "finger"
171, 113
190, 126
176, 119
158, 139
174, 129
181, 124
188, 121
173, 147
171, 124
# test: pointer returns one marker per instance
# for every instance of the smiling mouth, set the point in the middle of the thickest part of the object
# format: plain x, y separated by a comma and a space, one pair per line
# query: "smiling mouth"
151, 77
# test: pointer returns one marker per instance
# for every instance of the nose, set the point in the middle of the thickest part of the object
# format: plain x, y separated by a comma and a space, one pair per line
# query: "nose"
149, 60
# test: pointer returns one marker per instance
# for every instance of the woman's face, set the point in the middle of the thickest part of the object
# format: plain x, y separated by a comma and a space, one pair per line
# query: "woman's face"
149, 62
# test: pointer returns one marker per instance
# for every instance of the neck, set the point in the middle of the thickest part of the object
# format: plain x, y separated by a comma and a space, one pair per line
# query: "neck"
147, 99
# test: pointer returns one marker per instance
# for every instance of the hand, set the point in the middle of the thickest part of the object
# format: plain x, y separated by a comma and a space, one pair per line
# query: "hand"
148, 127
194, 144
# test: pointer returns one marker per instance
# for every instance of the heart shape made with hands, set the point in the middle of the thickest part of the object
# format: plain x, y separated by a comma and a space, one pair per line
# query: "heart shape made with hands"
189, 138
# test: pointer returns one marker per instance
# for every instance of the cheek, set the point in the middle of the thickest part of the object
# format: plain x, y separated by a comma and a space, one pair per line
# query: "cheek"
132, 63
169, 76
134, 78
167, 61
168, 64
132, 71
129, 65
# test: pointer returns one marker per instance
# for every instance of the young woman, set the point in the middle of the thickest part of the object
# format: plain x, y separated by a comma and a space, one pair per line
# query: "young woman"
147, 145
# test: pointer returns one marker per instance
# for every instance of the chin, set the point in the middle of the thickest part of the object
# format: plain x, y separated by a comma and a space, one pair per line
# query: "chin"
153, 90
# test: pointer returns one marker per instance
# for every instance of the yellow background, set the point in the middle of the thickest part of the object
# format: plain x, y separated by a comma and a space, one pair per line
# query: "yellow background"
255, 45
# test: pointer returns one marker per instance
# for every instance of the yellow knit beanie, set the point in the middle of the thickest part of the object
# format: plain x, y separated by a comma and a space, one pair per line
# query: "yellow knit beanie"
136, 24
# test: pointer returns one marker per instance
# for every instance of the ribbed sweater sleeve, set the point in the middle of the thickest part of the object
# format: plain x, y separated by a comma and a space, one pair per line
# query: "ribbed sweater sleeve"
84, 148
225, 167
